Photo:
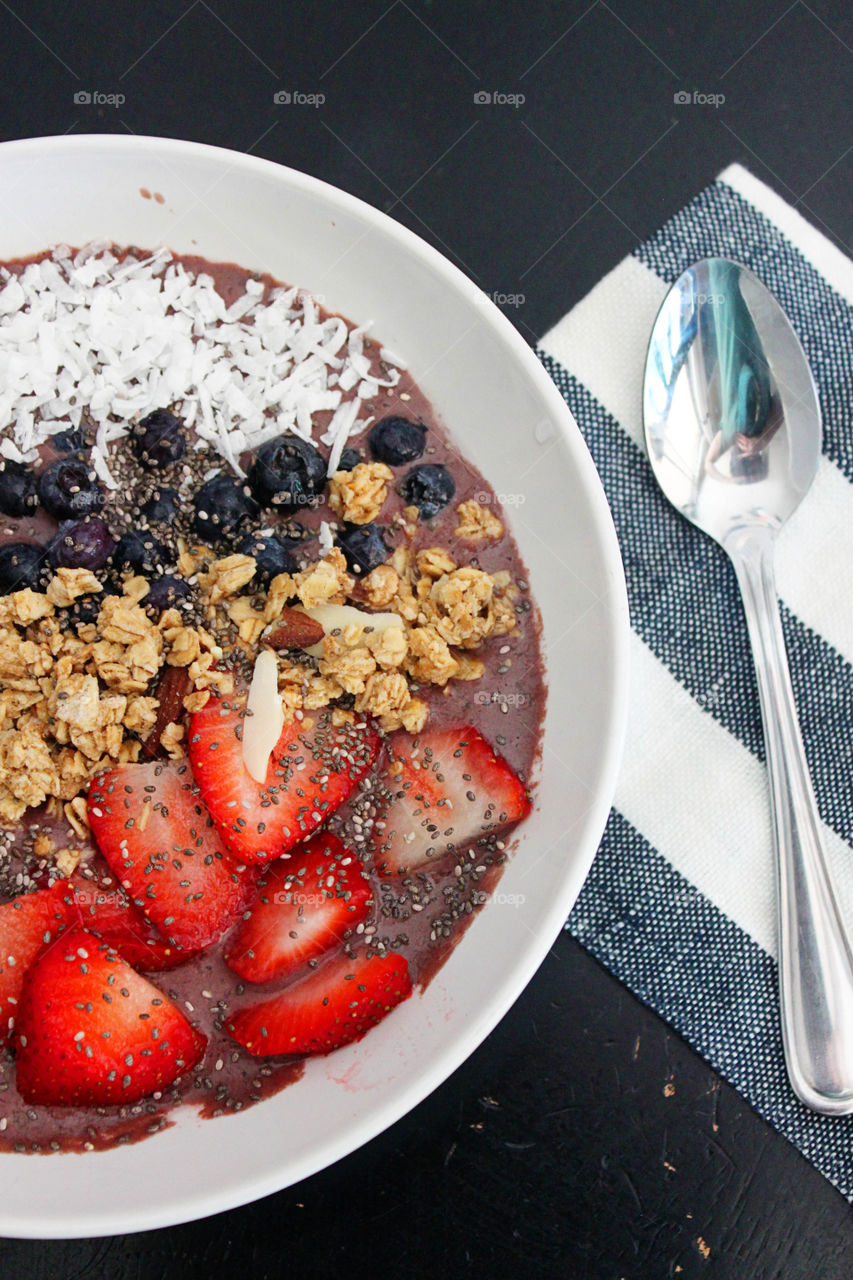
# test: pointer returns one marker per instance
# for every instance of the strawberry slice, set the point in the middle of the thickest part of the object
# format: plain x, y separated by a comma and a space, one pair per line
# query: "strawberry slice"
91, 1031
334, 1005
28, 924
161, 844
111, 916
445, 789
311, 772
304, 908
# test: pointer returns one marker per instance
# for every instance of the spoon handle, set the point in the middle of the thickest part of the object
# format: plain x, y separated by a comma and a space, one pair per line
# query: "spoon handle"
815, 961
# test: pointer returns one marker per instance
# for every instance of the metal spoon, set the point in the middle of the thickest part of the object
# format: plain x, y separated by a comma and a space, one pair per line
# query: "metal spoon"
733, 431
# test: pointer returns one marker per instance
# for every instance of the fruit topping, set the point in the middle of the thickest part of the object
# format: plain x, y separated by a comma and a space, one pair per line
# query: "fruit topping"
349, 458
93, 1032
140, 551
68, 441
160, 842
429, 487
28, 924
334, 1005
445, 789
18, 495
81, 544
304, 908
287, 473
396, 441
159, 438
364, 547
272, 555
166, 593
221, 506
69, 489
310, 773
21, 565
161, 507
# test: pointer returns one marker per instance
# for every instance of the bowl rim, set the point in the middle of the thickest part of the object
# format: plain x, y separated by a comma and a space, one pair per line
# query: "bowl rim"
382, 1115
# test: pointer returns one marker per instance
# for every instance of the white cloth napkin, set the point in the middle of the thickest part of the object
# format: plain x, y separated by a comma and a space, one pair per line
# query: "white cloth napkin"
680, 903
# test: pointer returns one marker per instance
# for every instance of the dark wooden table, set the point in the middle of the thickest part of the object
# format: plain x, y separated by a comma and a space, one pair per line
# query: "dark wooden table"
583, 1139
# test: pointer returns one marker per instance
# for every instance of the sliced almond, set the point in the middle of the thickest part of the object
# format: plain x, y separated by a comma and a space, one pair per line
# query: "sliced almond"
171, 690
294, 630
337, 617
265, 719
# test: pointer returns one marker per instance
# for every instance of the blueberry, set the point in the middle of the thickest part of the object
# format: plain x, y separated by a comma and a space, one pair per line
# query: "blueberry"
68, 488
428, 487
141, 552
161, 507
165, 593
21, 565
81, 544
221, 505
363, 546
287, 473
272, 555
68, 441
17, 489
86, 608
159, 438
349, 458
397, 440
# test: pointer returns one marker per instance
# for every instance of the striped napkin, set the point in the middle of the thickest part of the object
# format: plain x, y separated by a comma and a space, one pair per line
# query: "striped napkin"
680, 902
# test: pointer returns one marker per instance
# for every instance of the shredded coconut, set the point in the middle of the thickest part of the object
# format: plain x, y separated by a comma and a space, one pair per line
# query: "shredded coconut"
122, 337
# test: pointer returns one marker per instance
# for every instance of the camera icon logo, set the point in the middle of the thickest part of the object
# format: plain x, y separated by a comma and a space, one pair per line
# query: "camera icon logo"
681, 98
82, 98
282, 97
482, 97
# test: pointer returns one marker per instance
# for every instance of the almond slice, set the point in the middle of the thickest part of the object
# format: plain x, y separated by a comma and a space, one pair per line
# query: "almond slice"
265, 720
294, 630
334, 617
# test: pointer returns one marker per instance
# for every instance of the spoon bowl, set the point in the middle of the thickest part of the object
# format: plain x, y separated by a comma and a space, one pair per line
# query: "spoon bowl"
733, 431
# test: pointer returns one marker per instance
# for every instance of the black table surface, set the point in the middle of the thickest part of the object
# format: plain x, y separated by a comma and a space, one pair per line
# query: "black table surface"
583, 1139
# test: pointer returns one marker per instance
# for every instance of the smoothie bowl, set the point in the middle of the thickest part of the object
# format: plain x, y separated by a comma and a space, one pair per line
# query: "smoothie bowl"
312, 650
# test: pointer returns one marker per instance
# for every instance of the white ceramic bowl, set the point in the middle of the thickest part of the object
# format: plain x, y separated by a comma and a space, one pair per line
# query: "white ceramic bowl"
509, 419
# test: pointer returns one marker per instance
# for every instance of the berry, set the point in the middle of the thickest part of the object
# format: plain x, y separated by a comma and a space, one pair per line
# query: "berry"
68, 441
27, 925
305, 908
141, 552
68, 489
428, 487
221, 505
17, 489
159, 840
397, 440
311, 772
467, 792
349, 458
272, 555
112, 917
86, 608
166, 593
161, 507
159, 438
287, 473
81, 544
21, 565
338, 1003
363, 546
90, 1031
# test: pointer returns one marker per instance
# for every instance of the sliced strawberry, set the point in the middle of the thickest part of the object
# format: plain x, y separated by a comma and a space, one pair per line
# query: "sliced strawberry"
111, 916
446, 788
160, 842
311, 772
305, 907
91, 1031
334, 1005
28, 924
